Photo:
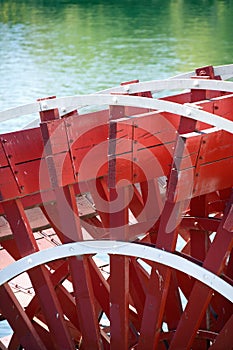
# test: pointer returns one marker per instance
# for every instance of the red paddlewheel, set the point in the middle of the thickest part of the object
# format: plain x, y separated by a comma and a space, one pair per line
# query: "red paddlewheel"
116, 220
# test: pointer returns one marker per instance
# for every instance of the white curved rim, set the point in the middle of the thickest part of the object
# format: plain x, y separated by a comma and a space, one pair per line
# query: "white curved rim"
172, 84
118, 248
225, 71
154, 85
186, 110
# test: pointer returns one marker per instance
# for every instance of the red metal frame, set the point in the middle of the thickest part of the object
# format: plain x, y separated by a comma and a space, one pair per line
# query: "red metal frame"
153, 177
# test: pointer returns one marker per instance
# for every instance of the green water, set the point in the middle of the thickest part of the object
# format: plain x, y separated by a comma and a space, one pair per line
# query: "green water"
71, 47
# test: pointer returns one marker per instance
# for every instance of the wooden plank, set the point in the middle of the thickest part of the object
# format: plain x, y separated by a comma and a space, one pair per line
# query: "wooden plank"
215, 145
19, 321
39, 222
23, 145
214, 176
5, 231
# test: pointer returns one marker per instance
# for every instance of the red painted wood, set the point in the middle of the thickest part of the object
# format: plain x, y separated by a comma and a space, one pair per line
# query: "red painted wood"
137, 287
118, 160
26, 244
119, 302
20, 323
224, 339
69, 231
85, 302
194, 311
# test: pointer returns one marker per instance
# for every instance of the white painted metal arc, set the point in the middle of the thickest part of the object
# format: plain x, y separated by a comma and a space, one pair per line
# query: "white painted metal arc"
118, 248
173, 84
185, 110
35, 123
19, 111
178, 82
225, 71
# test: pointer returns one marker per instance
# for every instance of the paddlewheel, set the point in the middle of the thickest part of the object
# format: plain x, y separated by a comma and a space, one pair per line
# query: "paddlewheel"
117, 218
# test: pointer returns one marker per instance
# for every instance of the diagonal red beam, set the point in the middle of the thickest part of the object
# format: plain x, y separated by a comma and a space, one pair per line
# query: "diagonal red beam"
152, 198
99, 193
19, 321
214, 261
167, 236
173, 307
224, 340
159, 282
14, 342
39, 276
100, 287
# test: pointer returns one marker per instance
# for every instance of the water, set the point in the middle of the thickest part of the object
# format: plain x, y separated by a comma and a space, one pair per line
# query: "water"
66, 47
71, 47
5, 329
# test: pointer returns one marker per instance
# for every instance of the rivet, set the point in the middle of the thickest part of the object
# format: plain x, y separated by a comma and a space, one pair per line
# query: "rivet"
29, 260
202, 72
196, 83
115, 99
44, 106
188, 111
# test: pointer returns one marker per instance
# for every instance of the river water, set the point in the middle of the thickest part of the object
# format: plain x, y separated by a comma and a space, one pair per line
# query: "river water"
67, 47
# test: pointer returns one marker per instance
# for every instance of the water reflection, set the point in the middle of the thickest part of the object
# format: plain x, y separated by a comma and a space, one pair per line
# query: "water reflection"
69, 47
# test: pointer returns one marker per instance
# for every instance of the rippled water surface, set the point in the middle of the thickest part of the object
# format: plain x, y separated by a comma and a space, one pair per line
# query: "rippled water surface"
71, 47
